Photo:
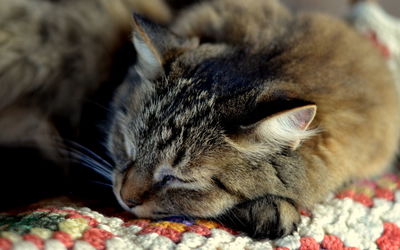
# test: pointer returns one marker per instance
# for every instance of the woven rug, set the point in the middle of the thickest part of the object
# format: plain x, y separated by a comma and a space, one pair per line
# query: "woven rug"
363, 215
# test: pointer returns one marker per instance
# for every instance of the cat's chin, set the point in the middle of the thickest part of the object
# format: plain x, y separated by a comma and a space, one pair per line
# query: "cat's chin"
146, 210
121, 202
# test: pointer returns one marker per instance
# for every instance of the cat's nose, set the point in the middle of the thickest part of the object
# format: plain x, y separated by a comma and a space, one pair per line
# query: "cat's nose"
132, 193
129, 200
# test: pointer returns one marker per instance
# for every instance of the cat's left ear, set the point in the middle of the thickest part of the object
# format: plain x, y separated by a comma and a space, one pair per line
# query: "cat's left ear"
287, 128
155, 45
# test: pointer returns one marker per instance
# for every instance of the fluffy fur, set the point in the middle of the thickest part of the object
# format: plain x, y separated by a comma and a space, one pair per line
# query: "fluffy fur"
269, 113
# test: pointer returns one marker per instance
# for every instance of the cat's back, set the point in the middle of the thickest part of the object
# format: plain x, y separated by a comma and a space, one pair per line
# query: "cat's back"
314, 58
328, 63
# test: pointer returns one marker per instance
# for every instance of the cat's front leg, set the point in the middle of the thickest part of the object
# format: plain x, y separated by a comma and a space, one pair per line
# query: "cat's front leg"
265, 217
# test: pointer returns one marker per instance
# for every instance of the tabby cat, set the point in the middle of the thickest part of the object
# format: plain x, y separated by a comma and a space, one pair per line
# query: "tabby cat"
244, 112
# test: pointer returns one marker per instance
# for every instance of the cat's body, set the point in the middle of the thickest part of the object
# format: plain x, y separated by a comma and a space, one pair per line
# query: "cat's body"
268, 114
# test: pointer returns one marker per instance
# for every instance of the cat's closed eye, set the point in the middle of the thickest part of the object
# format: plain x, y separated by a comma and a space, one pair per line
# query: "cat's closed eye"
166, 180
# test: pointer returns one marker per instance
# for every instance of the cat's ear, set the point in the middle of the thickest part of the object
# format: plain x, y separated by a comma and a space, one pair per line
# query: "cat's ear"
287, 128
155, 45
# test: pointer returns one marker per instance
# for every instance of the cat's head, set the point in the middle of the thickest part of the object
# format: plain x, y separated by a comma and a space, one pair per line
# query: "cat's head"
196, 132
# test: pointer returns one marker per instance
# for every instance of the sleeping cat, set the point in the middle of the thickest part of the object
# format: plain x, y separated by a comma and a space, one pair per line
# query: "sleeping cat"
246, 113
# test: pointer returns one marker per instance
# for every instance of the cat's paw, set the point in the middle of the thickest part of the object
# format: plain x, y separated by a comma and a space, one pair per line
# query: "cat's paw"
267, 217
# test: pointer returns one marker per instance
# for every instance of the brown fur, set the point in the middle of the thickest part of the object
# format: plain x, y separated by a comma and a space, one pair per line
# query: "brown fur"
195, 134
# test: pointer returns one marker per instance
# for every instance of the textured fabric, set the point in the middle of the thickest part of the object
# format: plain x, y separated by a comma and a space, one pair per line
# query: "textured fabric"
371, 20
364, 215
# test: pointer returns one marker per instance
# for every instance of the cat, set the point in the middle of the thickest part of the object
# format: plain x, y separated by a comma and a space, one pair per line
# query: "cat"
244, 112
54, 54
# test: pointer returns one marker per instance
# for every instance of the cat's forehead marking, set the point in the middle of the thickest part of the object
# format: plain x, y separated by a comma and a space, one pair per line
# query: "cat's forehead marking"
166, 132
183, 106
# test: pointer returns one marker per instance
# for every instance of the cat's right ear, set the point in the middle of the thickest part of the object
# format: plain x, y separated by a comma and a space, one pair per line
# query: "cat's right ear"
155, 45
286, 129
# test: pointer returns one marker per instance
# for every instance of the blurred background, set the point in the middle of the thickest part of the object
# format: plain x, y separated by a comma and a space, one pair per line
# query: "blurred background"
334, 7
338, 7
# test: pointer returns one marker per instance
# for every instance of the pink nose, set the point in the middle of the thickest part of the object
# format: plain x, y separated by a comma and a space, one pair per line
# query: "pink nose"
134, 191
129, 199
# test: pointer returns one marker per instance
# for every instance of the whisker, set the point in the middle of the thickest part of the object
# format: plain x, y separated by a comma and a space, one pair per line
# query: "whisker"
98, 170
89, 162
97, 104
80, 155
95, 165
102, 183
88, 152
80, 152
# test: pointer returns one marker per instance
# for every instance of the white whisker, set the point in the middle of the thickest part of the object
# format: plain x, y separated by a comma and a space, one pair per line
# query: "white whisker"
89, 152
89, 159
102, 183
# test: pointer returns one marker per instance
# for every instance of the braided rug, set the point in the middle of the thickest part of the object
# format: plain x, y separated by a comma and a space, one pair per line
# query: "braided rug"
363, 215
